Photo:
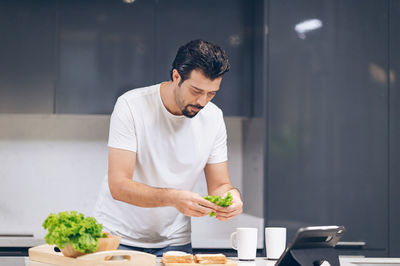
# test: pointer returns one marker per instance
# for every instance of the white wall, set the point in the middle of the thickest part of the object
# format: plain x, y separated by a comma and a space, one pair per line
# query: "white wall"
51, 163
48, 163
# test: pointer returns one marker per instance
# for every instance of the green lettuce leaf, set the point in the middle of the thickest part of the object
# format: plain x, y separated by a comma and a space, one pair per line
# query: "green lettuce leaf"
73, 228
223, 202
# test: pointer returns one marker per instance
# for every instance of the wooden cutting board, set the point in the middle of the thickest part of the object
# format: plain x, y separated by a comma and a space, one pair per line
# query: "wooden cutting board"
228, 263
46, 254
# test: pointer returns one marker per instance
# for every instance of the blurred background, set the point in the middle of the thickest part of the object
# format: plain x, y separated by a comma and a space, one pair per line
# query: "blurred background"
311, 104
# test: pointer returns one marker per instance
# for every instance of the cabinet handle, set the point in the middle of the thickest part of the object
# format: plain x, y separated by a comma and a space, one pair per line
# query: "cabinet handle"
16, 235
349, 244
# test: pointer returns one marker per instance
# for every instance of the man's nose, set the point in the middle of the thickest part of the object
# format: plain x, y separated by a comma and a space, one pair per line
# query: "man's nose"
202, 100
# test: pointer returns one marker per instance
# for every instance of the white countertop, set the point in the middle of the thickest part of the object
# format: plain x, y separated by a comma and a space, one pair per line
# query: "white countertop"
366, 261
344, 261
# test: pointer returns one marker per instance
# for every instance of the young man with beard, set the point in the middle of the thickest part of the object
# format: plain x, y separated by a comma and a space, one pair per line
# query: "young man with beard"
162, 138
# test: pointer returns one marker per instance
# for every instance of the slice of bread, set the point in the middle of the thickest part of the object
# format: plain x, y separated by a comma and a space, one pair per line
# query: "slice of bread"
177, 257
210, 258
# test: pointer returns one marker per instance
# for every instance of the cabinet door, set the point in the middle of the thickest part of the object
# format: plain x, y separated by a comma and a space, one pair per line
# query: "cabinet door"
328, 126
27, 64
226, 23
394, 76
105, 49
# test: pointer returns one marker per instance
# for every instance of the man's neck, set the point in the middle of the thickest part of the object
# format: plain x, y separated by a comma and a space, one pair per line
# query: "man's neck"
168, 98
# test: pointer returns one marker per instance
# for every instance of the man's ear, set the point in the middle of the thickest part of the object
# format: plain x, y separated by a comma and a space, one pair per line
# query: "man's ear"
176, 78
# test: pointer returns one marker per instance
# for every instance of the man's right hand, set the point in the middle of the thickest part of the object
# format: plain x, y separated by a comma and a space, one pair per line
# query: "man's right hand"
191, 204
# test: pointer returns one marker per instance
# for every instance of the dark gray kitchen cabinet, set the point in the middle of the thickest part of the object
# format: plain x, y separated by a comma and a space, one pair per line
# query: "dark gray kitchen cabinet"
79, 56
105, 49
394, 122
327, 118
27, 56
227, 23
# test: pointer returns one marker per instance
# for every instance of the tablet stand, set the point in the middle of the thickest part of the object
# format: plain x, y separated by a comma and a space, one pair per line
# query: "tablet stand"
311, 257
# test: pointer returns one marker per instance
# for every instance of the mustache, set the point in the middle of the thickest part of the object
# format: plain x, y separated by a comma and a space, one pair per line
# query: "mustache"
197, 106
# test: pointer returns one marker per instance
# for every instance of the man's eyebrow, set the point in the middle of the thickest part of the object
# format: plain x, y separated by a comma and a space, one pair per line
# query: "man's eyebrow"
201, 89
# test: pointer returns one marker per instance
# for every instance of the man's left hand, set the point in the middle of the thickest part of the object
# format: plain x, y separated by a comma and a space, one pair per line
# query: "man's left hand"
227, 213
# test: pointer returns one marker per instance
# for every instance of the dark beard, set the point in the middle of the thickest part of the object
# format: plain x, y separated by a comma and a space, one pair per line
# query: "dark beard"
190, 114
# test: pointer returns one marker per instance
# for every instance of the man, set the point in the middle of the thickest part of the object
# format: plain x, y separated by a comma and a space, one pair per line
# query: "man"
162, 138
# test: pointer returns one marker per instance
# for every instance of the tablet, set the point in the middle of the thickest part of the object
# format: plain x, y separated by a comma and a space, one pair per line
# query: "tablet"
314, 237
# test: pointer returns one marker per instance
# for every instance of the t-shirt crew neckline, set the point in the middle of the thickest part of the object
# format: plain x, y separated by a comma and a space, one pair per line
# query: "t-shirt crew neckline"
172, 116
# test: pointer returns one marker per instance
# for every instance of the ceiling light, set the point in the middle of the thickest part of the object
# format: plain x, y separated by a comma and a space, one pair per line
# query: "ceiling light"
306, 26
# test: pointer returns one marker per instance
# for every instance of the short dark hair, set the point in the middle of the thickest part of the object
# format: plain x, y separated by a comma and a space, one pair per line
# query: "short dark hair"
200, 55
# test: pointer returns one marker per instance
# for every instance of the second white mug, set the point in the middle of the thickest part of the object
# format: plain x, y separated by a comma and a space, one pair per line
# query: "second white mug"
275, 241
244, 240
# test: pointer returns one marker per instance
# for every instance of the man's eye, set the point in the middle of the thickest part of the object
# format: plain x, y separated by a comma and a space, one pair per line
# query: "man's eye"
211, 94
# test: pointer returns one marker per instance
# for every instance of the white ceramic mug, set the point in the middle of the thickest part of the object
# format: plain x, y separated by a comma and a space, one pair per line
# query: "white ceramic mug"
244, 240
275, 241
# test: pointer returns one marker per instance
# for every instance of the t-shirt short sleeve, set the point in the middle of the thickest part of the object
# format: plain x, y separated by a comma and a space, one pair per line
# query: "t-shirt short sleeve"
219, 152
122, 127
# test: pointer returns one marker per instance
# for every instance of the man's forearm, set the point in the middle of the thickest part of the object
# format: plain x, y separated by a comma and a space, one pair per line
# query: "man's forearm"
139, 194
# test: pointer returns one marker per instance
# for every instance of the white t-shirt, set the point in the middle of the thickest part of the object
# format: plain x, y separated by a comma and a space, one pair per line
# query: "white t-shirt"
172, 152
